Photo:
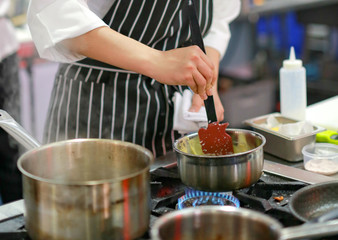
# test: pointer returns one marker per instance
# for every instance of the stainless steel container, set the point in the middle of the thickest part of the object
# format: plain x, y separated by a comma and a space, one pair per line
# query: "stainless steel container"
277, 144
86, 189
229, 223
78, 189
221, 173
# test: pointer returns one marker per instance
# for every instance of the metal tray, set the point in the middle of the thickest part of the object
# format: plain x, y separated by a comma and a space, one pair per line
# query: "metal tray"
283, 146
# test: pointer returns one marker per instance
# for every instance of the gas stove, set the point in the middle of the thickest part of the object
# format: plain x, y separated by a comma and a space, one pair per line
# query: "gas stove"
270, 195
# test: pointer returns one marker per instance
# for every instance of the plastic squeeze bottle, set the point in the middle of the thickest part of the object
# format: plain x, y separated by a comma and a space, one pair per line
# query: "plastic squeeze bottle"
293, 88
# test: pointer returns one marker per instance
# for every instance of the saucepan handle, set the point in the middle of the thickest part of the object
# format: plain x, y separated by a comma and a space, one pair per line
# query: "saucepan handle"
17, 131
312, 230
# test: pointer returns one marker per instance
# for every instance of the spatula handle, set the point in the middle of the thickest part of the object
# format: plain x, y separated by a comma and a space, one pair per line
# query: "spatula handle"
197, 39
196, 35
210, 109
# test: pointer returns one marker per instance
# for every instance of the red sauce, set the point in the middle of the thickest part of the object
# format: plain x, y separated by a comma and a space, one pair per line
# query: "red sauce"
214, 139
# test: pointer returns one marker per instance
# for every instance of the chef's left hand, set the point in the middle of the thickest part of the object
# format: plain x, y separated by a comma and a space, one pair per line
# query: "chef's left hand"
197, 101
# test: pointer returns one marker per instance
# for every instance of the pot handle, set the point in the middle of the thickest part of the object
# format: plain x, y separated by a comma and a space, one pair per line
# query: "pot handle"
324, 229
330, 215
17, 131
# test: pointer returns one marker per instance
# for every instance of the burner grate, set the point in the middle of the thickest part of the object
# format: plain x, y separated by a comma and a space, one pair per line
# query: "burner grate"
272, 198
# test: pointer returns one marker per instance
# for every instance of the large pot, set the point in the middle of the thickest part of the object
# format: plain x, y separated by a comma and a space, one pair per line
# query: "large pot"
84, 188
230, 223
221, 173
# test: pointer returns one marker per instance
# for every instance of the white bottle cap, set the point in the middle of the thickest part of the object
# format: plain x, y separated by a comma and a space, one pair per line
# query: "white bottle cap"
292, 62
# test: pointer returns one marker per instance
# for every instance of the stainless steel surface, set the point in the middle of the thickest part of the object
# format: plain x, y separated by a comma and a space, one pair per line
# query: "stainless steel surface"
17, 131
12, 209
85, 189
225, 222
288, 148
166, 161
294, 173
315, 200
221, 173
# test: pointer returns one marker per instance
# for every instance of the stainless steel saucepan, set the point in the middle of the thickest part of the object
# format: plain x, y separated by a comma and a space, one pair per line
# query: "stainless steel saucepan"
230, 223
221, 173
83, 188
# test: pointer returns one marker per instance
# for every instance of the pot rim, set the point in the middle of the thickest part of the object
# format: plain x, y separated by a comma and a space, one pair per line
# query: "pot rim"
91, 182
195, 211
221, 156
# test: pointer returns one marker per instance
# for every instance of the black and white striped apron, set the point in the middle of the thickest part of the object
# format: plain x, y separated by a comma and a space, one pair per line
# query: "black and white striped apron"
91, 99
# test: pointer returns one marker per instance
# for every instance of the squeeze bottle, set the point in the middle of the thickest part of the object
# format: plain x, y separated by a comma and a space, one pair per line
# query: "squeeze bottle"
292, 84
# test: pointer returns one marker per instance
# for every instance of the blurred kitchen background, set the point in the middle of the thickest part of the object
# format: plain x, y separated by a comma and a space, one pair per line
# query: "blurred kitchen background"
249, 73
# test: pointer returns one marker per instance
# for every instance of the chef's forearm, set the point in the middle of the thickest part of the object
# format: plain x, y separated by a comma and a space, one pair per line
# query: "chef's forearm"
109, 46
187, 66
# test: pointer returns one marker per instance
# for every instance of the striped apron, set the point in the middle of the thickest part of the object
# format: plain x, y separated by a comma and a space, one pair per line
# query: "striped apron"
91, 99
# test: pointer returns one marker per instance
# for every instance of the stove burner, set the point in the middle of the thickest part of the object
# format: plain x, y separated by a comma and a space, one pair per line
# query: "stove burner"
194, 198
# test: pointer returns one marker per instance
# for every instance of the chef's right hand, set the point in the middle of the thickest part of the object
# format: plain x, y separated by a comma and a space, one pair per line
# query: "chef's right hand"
187, 66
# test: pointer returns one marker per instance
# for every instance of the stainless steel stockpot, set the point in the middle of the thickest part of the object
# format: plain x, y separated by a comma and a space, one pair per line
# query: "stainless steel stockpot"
230, 223
86, 189
221, 173
83, 188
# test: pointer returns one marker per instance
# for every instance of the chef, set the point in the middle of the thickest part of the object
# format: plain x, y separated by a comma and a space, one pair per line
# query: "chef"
121, 61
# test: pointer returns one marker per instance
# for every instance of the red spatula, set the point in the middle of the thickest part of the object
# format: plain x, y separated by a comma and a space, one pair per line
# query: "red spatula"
214, 139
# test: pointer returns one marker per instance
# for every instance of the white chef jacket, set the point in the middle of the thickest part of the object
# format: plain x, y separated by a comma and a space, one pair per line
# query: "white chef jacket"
51, 21
8, 41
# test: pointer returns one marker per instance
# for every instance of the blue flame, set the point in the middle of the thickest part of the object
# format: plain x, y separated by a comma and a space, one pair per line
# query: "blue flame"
197, 198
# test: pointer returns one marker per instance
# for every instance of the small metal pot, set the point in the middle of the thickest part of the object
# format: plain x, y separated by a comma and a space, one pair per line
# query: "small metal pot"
83, 188
230, 223
221, 173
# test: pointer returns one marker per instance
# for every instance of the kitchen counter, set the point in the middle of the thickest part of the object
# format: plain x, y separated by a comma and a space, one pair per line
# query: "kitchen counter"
12, 209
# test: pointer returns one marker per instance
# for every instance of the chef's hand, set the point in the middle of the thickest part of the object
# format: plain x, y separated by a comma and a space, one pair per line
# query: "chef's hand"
197, 102
187, 66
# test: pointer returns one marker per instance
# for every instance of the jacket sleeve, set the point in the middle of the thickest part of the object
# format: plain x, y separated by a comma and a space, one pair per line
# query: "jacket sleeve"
219, 34
51, 21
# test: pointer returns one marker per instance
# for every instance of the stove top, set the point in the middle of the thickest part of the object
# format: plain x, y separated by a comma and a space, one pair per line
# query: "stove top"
270, 195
